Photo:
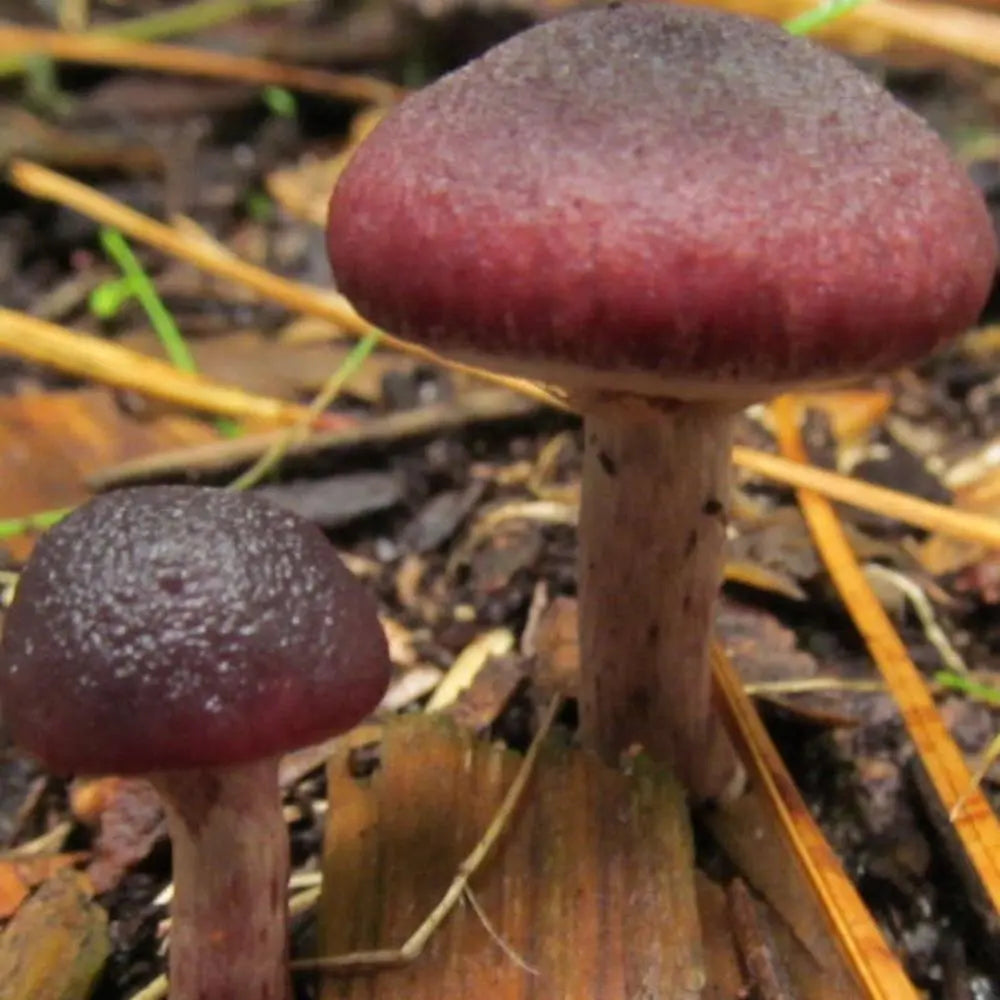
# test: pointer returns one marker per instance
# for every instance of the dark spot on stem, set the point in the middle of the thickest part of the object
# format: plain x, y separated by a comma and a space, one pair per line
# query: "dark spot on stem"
653, 633
712, 507
638, 701
607, 463
692, 541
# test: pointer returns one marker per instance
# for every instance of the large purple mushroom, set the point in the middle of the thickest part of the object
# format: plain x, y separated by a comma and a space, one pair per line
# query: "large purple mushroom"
670, 212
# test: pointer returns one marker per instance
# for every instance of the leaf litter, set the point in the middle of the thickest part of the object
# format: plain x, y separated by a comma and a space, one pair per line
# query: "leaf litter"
464, 522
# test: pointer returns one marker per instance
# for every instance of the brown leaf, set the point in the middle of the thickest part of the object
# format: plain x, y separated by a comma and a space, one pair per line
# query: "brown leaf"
761, 648
56, 945
20, 875
50, 442
13, 889
131, 823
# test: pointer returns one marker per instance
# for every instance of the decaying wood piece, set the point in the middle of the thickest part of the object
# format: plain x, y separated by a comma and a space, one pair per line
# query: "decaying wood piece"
480, 407
590, 891
750, 834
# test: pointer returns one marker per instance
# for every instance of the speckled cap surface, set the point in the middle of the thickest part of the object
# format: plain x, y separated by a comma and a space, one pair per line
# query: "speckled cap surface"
170, 627
682, 195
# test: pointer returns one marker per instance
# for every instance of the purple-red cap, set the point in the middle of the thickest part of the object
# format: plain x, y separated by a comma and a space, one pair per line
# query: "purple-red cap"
662, 199
170, 627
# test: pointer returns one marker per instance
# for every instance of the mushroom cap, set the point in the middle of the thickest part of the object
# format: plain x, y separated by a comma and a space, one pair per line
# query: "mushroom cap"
171, 627
668, 200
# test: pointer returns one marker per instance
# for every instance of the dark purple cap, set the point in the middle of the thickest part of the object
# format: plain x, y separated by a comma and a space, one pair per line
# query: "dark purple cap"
172, 627
662, 199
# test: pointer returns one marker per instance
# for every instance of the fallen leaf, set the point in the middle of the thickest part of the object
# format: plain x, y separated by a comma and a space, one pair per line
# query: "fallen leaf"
13, 889
18, 876
49, 443
131, 823
57, 943
760, 647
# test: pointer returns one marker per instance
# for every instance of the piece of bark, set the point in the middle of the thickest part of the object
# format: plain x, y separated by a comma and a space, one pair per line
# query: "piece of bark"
591, 885
486, 406
726, 980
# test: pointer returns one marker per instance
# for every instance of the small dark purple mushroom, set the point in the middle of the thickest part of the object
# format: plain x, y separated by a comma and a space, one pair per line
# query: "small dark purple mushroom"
194, 635
671, 212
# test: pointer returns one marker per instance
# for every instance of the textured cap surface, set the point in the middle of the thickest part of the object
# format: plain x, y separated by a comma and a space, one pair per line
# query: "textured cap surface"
170, 627
667, 190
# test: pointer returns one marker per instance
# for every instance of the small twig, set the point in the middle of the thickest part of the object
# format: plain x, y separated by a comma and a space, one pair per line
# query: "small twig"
890, 503
217, 457
41, 182
761, 958
387, 958
804, 685
106, 50
922, 606
156, 990
184, 20
111, 364
8, 584
503, 945
50, 842
467, 666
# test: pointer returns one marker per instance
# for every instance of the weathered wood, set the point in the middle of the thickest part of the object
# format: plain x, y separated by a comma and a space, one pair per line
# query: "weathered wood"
592, 885
751, 835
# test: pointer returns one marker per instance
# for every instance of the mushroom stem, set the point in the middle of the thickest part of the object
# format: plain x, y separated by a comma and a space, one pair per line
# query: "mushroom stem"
656, 484
229, 937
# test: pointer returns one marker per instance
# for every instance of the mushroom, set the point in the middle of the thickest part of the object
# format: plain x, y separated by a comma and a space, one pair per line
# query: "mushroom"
193, 635
671, 213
